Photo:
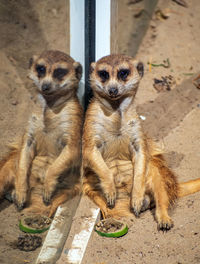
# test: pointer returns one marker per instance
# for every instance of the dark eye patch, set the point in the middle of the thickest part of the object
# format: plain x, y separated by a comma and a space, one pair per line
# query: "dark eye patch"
41, 70
59, 73
104, 75
123, 74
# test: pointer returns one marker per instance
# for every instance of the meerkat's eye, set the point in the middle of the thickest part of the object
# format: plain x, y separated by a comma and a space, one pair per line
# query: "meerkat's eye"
123, 74
59, 73
104, 75
41, 70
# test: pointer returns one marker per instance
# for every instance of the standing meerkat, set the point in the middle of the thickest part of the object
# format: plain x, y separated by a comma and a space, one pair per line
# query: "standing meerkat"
122, 169
44, 169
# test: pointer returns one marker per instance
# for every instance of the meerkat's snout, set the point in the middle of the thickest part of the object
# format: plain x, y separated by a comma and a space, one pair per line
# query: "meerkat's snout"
113, 91
46, 87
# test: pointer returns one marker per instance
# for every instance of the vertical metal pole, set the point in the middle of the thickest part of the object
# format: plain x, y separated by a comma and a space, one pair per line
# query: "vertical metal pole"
89, 45
90, 37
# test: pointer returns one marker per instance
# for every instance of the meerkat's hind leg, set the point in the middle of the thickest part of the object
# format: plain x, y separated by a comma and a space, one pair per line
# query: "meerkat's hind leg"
7, 172
63, 196
96, 197
148, 203
121, 209
36, 205
157, 173
165, 223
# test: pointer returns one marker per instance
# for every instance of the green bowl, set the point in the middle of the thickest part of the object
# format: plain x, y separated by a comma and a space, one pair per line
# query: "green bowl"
23, 226
111, 223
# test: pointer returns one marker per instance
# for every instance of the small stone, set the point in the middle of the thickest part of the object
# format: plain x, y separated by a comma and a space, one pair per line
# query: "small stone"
15, 102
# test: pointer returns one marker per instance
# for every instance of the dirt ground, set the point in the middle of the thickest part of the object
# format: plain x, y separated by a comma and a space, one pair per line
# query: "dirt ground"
172, 117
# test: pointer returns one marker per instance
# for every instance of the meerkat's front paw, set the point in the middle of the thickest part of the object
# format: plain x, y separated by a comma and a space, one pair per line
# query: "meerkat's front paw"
110, 195
47, 193
19, 199
49, 188
137, 205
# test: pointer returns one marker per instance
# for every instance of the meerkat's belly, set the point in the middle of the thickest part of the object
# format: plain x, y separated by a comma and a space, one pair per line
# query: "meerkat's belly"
117, 153
118, 158
39, 167
122, 171
47, 150
50, 144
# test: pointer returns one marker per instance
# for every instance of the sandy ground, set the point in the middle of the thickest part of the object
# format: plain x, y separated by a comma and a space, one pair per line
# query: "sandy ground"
172, 117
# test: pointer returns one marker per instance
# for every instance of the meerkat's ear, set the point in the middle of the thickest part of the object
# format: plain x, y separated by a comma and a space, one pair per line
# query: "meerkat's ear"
140, 67
32, 60
92, 66
78, 70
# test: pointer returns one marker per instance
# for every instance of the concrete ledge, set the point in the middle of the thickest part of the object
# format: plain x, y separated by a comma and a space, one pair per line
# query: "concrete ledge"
82, 226
70, 231
58, 232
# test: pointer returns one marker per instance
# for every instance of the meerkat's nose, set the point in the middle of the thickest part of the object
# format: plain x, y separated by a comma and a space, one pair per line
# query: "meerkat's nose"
113, 91
46, 87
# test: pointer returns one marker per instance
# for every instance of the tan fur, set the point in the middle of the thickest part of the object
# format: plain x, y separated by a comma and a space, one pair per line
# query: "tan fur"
45, 166
122, 169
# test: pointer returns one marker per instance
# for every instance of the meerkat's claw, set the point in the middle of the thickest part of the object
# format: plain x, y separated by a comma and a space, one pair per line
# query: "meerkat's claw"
165, 226
110, 198
46, 197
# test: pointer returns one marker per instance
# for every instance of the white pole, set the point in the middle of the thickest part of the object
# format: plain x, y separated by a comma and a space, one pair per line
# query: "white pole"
77, 38
103, 28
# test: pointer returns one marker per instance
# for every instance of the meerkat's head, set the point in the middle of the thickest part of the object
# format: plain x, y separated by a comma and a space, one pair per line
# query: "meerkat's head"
55, 72
116, 76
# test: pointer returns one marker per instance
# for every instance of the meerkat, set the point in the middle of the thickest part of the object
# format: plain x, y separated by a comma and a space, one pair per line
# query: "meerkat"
123, 171
44, 168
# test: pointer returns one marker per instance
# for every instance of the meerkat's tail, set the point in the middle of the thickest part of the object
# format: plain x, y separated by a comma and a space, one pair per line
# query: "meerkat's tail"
189, 187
